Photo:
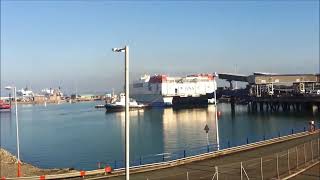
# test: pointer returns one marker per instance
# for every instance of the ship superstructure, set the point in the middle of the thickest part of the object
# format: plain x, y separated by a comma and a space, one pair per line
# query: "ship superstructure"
163, 90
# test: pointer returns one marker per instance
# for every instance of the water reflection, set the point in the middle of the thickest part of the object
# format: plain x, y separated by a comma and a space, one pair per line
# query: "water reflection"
180, 126
78, 135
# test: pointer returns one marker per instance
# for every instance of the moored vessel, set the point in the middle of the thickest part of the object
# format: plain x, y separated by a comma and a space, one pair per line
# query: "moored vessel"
163, 90
4, 105
119, 104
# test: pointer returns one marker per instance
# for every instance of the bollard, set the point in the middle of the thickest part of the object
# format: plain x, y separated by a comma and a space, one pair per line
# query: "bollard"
140, 160
264, 137
291, 131
184, 153
278, 133
247, 140
99, 165
304, 128
82, 174
228, 144
163, 157
107, 169
19, 168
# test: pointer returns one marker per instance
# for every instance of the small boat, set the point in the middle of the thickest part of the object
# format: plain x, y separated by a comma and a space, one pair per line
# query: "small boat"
4, 105
99, 106
119, 104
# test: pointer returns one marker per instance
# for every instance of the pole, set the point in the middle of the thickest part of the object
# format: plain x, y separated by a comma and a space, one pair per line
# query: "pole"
127, 111
17, 131
289, 161
278, 175
241, 170
261, 168
207, 139
216, 114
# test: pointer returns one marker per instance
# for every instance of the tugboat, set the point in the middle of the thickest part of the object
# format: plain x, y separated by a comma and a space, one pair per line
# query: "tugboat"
119, 104
4, 105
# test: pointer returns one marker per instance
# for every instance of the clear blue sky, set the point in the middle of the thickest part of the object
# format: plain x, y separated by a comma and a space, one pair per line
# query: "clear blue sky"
44, 44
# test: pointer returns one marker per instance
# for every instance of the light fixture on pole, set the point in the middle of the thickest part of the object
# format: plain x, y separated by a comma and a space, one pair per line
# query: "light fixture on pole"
216, 114
14, 92
127, 150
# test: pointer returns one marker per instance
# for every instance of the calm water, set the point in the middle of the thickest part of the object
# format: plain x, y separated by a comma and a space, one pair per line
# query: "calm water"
78, 135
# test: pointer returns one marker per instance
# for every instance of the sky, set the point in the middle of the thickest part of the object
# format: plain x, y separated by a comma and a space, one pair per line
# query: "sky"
57, 43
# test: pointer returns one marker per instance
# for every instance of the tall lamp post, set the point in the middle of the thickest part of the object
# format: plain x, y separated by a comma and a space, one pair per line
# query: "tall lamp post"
216, 114
127, 150
14, 92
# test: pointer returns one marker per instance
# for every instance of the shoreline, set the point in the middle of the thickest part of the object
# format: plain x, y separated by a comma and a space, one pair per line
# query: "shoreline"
9, 167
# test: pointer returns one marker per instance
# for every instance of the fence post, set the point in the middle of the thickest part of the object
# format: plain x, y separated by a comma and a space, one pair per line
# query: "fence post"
292, 131
278, 166
216, 168
278, 133
247, 140
228, 144
140, 160
311, 151
261, 169
241, 170
304, 151
163, 157
264, 137
297, 156
289, 161
184, 153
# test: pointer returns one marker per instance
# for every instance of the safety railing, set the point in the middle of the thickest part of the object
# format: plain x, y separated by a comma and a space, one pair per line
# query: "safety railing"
208, 161
169, 156
279, 165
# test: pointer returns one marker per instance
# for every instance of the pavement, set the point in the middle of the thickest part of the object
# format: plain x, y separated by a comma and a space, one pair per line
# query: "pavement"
301, 151
311, 174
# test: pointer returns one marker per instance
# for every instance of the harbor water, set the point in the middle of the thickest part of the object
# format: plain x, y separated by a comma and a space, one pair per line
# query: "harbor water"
79, 136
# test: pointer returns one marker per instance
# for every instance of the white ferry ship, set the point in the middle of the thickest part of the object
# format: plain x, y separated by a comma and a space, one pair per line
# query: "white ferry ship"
163, 90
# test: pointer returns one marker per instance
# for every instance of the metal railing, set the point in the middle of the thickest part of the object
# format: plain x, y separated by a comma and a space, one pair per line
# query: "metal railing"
169, 156
274, 166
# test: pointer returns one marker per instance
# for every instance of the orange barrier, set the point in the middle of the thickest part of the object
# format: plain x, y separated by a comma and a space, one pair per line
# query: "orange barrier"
42, 177
19, 168
82, 173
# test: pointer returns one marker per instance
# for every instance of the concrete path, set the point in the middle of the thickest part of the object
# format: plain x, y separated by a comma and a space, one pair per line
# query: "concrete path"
229, 166
310, 174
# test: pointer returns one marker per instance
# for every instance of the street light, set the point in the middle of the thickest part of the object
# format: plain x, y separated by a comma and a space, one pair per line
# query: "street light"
126, 50
216, 114
14, 92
